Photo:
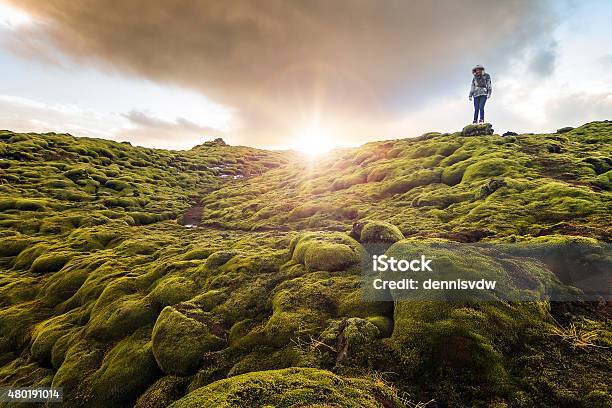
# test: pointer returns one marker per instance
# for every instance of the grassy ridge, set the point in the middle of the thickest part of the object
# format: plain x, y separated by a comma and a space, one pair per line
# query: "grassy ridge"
104, 293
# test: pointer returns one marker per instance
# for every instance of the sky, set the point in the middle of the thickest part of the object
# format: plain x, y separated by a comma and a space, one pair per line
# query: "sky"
308, 75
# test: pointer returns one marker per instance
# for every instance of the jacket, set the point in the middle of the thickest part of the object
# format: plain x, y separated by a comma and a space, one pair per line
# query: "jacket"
481, 85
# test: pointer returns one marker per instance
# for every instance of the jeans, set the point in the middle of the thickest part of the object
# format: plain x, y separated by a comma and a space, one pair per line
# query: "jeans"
479, 103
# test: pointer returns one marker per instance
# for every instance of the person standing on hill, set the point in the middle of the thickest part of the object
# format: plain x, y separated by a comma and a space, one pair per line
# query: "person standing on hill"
480, 91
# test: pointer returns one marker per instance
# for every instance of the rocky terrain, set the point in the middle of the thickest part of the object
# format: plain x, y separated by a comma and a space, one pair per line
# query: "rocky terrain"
227, 276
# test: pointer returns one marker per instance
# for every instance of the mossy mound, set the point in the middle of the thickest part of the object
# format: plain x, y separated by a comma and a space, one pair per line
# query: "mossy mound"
477, 130
325, 252
292, 387
378, 231
49, 263
194, 331
125, 372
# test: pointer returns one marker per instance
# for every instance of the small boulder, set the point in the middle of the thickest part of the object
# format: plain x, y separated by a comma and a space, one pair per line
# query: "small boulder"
481, 129
380, 231
217, 142
329, 256
354, 336
509, 133
219, 258
181, 335
325, 252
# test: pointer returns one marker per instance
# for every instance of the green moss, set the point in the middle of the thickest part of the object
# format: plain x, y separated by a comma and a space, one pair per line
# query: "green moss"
289, 388
480, 129
405, 184
488, 168
47, 333
348, 181
565, 129
120, 318
196, 254
218, 258
267, 359
195, 331
266, 268
13, 246
379, 231
23, 204
306, 210
16, 323
26, 258
172, 290
90, 239
329, 257
163, 392
325, 252
597, 399
82, 359
453, 174
604, 181
141, 218
117, 185
49, 263
125, 373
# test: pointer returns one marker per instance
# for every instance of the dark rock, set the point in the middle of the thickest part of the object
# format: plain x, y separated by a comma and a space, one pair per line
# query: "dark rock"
509, 133
356, 230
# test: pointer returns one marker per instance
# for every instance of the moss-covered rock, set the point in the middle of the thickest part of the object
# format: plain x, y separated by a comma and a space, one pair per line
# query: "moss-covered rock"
292, 387
125, 372
49, 263
325, 252
120, 318
329, 256
196, 332
481, 129
163, 392
379, 231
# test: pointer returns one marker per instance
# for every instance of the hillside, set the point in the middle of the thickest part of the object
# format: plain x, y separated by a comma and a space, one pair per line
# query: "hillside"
230, 276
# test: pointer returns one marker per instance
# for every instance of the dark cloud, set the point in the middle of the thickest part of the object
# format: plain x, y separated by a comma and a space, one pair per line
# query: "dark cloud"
149, 130
145, 120
543, 60
359, 62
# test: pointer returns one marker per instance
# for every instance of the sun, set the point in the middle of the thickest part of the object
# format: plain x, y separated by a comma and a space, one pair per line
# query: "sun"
314, 140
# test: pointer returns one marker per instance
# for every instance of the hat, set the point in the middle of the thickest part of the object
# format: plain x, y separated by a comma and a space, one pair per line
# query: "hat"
477, 67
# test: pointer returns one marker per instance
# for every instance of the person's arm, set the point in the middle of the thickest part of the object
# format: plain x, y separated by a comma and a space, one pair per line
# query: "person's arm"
489, 87
472, 89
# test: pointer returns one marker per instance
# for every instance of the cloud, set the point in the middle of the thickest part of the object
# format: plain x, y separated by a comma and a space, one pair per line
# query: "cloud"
579, 108
354, 63
27, 115
141, 128
145, 129
543, 59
